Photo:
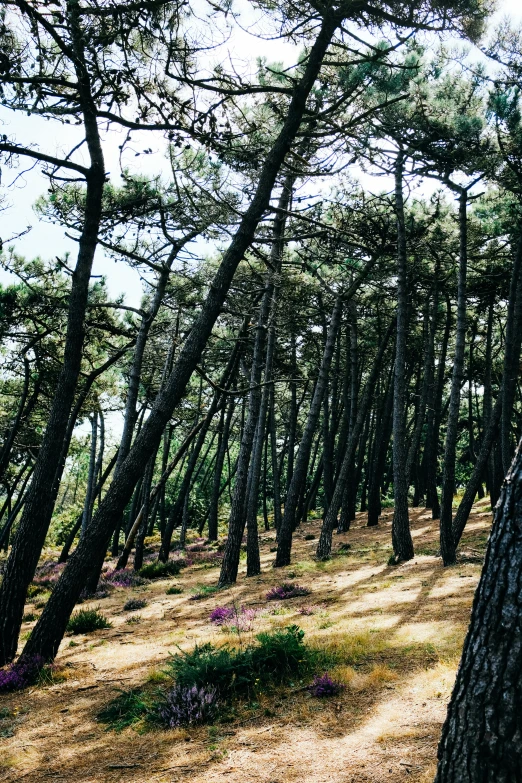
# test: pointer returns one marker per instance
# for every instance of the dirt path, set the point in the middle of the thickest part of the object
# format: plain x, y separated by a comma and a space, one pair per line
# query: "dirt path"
399, 629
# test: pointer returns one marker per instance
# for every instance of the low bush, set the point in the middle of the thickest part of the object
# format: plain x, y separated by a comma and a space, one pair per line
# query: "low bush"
159, 570
274, 657
174, 590
285, 591
133, 604
87, 620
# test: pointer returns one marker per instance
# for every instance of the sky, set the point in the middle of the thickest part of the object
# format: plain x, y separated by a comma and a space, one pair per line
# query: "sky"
22, 188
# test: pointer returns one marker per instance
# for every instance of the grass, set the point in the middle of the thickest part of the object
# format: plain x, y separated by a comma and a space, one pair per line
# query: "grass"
128, 709
159, 570
87, 620
203, 591
173, 590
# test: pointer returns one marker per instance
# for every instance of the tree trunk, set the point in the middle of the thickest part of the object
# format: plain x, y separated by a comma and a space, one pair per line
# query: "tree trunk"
97, 492
324, 547
379, 464
511, 358
305, 447
39, 504
401, 535
87, 508
224, 433
482, 736
447, 542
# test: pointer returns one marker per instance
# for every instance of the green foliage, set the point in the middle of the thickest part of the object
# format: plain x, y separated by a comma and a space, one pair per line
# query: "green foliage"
158, 570
87, 620
275, 657
173, 590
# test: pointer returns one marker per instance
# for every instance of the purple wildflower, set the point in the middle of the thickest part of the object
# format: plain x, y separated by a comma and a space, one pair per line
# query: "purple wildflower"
323, 687
285, 591
184, 705
221, 615
124, 578
241, 617
245, 620
213, 558
20, 674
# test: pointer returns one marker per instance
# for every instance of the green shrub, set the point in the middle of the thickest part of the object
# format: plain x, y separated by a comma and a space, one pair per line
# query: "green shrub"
173, 590
158, 570
87, 620
275, 657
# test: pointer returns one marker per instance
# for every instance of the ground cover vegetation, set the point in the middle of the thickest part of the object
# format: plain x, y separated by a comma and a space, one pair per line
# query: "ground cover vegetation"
330, 248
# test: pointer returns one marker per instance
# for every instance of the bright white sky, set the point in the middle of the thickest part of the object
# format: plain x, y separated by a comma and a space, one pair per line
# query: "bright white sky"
47, 240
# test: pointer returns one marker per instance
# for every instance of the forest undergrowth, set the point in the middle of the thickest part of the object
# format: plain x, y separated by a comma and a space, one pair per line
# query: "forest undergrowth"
389, 637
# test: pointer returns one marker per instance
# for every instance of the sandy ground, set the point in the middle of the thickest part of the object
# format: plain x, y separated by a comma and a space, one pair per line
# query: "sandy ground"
399, 629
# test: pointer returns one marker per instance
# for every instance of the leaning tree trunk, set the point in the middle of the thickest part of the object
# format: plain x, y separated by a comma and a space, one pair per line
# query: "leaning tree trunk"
39, 504
482, 737
447, 541
401, 535
48, 632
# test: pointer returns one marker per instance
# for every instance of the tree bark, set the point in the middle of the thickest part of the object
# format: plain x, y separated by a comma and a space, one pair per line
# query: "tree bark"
482, 736
447, 542
511, 358
401, 535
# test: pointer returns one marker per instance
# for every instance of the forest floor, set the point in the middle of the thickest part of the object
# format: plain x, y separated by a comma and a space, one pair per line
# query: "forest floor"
399, 630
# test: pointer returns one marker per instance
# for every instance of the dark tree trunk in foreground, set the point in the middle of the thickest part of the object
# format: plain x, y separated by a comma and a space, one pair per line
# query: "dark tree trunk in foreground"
401, 535
48, 632
482, 736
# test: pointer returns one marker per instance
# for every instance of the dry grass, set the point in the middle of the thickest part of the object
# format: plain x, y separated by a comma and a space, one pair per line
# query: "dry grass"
397, 633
